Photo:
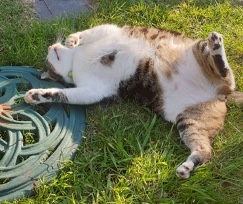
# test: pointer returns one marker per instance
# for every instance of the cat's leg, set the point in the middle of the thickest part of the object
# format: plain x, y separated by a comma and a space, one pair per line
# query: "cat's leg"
197, 126
90, 35
79, 95
216, 48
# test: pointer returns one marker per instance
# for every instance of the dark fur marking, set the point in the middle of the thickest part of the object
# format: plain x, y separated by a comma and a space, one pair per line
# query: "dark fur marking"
214, 37
35, 97
144, 30
179, 118
162, 36
220, 65
53, 74
203, 47
175, 33
154, 37
108, 59
216, 46
198, 45
184, 126
56, 97
211, 68
143, 86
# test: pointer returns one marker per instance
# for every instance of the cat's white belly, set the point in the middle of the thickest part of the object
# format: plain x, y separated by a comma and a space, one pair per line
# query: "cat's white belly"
188, 87
181, 97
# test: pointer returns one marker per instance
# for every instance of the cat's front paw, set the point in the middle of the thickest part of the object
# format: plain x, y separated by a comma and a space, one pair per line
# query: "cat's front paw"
215, 41
34, 96
184, 170
73, 40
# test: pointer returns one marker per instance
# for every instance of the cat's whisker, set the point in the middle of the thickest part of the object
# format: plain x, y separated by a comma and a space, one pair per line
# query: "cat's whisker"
60, 37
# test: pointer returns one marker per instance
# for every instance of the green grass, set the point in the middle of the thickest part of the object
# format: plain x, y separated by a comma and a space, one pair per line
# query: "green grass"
129, 155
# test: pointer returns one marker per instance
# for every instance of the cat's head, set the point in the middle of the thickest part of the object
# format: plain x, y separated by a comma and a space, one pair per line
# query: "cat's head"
59, 63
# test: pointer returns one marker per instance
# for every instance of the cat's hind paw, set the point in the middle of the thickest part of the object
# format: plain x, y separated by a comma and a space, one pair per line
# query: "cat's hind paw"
184, 170
215, 41
73, 40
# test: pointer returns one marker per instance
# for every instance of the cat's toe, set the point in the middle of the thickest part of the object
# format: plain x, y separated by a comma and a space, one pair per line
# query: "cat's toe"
72, 41
183, 171
215, 40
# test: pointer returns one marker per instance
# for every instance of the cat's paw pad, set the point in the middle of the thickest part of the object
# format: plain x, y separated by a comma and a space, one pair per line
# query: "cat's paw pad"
34, 96
215, 41
183, 171
72, 40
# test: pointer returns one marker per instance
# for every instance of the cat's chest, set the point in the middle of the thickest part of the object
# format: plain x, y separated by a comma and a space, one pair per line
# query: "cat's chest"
189, 86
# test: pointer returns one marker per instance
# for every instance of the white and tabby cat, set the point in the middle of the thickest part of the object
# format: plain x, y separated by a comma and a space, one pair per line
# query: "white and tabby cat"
182, 80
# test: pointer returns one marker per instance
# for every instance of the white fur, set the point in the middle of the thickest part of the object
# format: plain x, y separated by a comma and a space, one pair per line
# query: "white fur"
94, 81
179, 92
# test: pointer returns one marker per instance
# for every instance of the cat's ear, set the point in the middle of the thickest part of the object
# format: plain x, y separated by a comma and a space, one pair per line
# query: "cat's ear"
45, 75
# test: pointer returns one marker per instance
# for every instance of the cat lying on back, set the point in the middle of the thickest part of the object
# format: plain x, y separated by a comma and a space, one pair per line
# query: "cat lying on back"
182, 80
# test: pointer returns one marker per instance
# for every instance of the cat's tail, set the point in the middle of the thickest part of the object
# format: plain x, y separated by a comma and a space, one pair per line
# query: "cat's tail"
235, 97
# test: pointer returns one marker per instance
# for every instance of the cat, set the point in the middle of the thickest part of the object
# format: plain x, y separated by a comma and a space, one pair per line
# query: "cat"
184, 81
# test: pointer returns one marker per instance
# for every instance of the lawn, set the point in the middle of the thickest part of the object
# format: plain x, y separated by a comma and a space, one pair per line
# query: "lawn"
128, 154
